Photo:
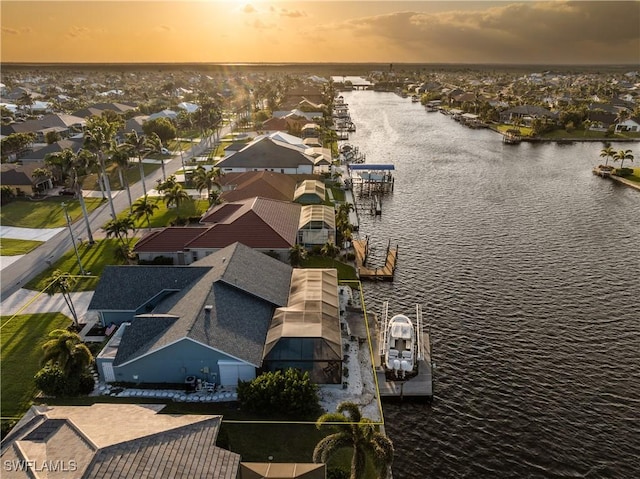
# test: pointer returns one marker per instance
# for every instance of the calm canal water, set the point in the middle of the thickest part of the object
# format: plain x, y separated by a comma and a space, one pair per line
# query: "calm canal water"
528, 270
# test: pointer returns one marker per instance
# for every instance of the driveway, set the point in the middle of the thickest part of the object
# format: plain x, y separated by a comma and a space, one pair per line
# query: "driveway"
36, 234
25, 301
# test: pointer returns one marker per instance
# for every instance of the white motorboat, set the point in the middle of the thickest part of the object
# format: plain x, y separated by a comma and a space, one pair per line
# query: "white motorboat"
400, 344
400, 355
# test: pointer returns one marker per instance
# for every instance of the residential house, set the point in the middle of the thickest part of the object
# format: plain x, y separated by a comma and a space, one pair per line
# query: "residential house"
266, 184
39, 155
65, 125
213, 327
525, 113
20, 178
310, 130
630, 125
266, 153
98, 108
116, 441
267, 225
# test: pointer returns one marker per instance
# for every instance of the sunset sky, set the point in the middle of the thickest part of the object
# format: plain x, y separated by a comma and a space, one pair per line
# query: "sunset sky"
557, 32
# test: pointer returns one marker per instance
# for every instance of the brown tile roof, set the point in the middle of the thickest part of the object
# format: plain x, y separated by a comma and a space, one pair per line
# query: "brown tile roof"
255, 222
168, 239
266, 184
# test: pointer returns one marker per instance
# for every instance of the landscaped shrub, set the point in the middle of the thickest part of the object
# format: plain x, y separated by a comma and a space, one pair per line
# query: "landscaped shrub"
52, 382
157, 260
290, 393
624, 171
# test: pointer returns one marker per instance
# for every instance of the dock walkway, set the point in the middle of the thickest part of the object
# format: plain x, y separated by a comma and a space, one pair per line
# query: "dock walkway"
384, 273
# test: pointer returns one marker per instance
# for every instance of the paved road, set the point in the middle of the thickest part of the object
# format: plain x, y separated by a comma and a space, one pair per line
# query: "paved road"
14, 276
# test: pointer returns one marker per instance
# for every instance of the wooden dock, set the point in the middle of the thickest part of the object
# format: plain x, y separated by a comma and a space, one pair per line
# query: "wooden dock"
384, 273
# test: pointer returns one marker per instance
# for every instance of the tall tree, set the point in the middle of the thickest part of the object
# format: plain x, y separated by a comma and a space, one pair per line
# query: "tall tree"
99, 137
66, 350
204, 179
144, 207
74, 166
607, 153
297, 254
61, 282
142, 146
120, 158
120, 228
357, 432
176, 195
622, 155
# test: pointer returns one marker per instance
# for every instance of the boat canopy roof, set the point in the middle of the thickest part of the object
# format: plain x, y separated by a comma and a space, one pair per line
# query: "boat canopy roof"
401, 327
376, 167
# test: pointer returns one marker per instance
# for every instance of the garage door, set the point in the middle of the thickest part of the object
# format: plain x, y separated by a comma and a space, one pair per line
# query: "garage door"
232, 371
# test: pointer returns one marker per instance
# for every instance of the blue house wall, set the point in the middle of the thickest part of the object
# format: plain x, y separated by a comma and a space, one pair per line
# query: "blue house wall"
173, 364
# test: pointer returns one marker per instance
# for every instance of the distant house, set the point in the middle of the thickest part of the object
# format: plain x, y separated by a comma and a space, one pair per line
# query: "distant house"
631, 125
265, 153
213, 326
525, 113
170, 114
98, 108
20, 178
65, 125
310, 130
39, 155
109, 441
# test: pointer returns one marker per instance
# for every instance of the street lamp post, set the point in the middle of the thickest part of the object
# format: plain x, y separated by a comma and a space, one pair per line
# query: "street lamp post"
66, 214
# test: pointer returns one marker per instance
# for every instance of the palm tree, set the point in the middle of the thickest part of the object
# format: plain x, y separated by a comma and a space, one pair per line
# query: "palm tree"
142, 146
120, 158
607, 153
120, 228
74, 166
98, 137
175, 196
60, 282
66, 350
297, 254
353, 430
330, 250
206, 180
144, 207
623, 155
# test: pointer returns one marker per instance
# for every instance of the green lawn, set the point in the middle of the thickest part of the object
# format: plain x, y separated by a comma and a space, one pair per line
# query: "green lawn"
45, 213
163, 216
21, 339
345, 272
133, 176
93, 258
635, 177
13, 247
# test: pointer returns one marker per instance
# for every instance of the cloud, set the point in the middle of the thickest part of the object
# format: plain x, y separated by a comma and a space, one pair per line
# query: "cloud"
164, 28
76, 31
260, 25
540, 32
15, 31
248, 8
283, 12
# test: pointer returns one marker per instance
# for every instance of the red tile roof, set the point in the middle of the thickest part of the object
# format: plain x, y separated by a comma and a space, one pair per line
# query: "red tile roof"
168, 240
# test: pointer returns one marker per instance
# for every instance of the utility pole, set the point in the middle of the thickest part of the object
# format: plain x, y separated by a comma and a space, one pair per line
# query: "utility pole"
66, 214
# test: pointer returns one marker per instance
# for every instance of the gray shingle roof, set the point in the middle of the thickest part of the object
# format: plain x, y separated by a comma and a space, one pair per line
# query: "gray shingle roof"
267, 153
142, 332
242, 285
127, 288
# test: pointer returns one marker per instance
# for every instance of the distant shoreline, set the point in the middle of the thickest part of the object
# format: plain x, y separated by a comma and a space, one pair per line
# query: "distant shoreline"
334, 67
